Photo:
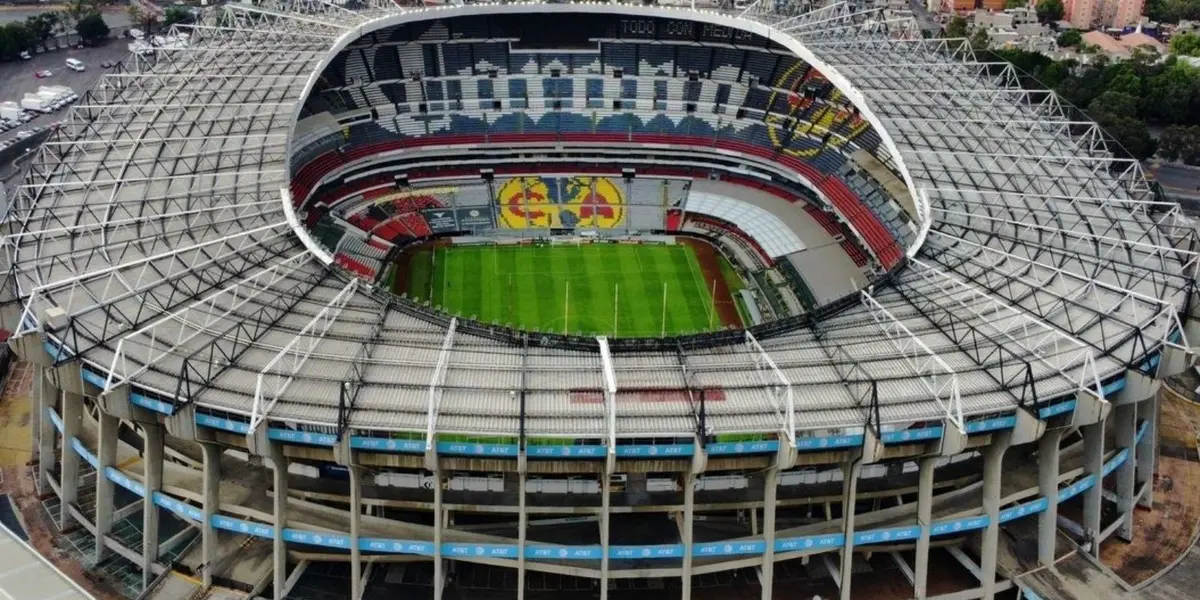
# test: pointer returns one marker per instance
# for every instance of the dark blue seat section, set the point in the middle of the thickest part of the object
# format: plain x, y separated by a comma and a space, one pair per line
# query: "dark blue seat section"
473, 83
387, 64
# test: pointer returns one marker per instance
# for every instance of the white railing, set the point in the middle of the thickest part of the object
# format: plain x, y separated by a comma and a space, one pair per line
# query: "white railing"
934, 373
1041, 342
111, 284
435, 384
1105, 299
183, 325
787, 408
275, 378
610, 394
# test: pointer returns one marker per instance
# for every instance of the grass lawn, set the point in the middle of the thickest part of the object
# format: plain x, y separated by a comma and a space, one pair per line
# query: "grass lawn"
567, 288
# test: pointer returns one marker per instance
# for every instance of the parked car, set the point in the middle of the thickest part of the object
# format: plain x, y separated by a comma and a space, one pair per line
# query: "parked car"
43, 74
25, 55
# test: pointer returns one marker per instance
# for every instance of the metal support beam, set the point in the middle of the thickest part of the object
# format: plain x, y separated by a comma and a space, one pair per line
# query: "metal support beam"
275, 378
934, 373
435, 392
785, 406
610, 398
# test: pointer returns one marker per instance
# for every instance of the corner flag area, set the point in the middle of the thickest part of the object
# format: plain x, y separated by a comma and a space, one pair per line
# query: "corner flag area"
618, 290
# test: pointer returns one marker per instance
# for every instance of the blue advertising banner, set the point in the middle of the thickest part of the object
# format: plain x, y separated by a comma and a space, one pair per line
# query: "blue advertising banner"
469, 449
654, 450
225, 424
125, 481
758, 447
302, 437
912, 435
375, 444
581, 451
85, 453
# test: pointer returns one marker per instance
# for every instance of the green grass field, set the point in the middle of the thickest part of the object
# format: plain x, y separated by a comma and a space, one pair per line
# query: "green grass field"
568, 288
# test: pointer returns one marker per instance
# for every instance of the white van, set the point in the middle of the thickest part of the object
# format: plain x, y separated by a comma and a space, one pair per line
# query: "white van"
75, 64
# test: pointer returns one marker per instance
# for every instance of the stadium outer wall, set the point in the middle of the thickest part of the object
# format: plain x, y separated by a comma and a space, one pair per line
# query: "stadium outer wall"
1025, 469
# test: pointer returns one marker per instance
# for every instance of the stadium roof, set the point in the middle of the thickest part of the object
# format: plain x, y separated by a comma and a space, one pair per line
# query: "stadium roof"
155, 241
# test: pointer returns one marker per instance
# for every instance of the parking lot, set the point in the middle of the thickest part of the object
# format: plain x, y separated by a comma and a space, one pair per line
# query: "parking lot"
17, 78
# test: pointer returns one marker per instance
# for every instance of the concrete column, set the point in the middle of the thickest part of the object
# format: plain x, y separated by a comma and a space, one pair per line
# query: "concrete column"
1125, 422
925, 521
356, 585
1048, 458
993, 463
689, 517
850, 471
212, 506
605, 518
106, 454
47, 397
522, 525
1093, 457
280, 481
72, 418
770, 490
439, 523
1147, 453
153, 469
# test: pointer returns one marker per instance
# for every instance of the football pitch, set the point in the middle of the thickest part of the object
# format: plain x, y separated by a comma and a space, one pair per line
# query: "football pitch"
591, 289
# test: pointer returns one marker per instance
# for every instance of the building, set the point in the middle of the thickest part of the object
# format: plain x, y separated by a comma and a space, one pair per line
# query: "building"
1089, 14
1122, 47
219, 361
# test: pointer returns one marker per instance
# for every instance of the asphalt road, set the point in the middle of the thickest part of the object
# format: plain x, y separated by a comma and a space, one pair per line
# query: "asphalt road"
16, 78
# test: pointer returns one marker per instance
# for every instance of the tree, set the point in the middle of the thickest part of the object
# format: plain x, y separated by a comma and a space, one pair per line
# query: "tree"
1173, 94
1116, 112
176, 14
143, 18
1050, 10
1178, 142
43, 26
1186, 44
1069, 38
1015, 3
957, 27
980, 39
77, 10
15, 38
92, 29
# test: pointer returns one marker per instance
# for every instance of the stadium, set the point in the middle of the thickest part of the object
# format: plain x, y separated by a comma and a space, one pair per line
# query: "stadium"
577, 300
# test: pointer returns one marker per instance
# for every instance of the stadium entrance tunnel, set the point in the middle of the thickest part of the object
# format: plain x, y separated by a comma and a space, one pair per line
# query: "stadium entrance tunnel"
627, 175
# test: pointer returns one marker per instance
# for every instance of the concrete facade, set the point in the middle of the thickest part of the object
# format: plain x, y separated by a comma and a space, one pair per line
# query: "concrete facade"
1085, 441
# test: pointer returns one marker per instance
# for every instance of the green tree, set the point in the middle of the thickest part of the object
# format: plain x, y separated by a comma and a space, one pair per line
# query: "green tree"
1116, 112
980, 39
140, 17
1050, 10
956, 27
1015, 3
1173, 94
1179, 142
77, 10
15, 38
1069, 38
176, 14
92, 29
1186, 44
43, 26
